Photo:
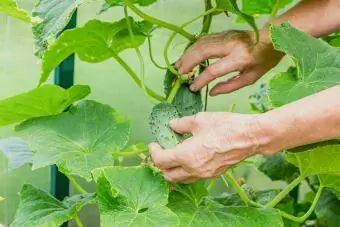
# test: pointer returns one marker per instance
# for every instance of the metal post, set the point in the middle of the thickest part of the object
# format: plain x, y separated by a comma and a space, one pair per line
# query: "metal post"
64, 77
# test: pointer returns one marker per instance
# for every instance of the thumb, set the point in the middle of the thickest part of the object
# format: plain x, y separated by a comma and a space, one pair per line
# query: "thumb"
183, 125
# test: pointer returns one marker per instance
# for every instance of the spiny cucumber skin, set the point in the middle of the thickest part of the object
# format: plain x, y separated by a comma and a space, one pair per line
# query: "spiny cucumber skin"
159, 120
187, 102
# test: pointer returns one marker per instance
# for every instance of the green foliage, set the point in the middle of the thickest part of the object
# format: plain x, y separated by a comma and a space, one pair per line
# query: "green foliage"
17, 152
317, 68
11, 8
38, 208
328, 210
276, 167
97, 41
133, 196
53, 16
87, 138
44, 101
79, 140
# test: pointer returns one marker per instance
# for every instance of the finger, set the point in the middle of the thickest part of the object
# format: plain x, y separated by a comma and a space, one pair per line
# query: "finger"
234, 84
199, 52
176, 175
218, 69
190, 180
183, 125
163, 159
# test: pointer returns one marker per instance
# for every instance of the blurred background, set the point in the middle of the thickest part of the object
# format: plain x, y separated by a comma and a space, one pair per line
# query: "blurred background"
19, 72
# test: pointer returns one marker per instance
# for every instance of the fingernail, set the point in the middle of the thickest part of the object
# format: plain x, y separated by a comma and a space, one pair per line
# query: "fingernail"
193, 87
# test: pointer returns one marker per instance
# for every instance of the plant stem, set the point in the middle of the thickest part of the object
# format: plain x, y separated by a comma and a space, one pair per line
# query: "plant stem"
228, 178
135, 77
75, 184
207, 18
285, 191
158, 22
77, 220
173, 35
152, 57
275, 9
308, 213
211, 185
139, 54
174, 91
136, 152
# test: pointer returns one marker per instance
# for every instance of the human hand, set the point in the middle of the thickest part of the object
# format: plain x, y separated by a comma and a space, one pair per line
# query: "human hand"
219, 141
238, 52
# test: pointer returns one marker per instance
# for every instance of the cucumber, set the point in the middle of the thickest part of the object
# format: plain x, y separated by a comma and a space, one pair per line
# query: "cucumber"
159, 120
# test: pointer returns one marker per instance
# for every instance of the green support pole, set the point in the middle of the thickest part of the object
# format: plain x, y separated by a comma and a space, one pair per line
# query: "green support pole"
64, 77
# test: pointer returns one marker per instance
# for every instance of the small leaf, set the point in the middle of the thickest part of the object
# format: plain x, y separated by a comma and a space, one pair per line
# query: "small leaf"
10, 7
318, 65
276, 167
315, 159
79, 140
259, 101
95, 42
328, 210
53, 16
38, 208
112, 3
231, 6
43, 101
17, 152
133, 196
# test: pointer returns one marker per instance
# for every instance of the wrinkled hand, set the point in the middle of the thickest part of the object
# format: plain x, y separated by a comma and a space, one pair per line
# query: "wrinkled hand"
237, 52
219, 141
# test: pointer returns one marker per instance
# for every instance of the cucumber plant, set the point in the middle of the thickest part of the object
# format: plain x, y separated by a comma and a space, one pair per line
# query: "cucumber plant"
89, 140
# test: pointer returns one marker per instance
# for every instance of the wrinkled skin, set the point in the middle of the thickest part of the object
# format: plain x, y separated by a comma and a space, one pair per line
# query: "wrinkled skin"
236, 51
219, 141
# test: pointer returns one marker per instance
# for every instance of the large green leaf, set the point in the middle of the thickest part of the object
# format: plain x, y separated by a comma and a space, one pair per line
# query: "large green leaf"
43, 101
318, 65
330, 181
38, 208
53, 16
133, 196
96, 41
320, 158
214, 214
79, 140
276, 167
328, 210
231, 6
17, 152
112, 3
10, 8
258, 7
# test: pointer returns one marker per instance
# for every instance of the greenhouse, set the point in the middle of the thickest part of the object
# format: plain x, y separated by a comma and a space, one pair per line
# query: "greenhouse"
154, 113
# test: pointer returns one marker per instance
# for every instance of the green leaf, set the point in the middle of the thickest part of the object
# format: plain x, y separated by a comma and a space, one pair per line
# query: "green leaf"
79, 140
133, 196
43, 101
231, 6
95, 42
1, 199
330, 181
318, 65
328, 210
17, 152
10, 7
259, 7
112, 3
214, 214
259, 101
276, 167
53, 16
38, 208
320, 158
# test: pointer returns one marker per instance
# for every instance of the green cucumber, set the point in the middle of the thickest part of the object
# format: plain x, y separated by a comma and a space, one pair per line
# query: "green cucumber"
159, 120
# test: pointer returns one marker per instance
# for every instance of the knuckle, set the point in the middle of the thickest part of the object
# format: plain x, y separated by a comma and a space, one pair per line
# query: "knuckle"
211, 71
